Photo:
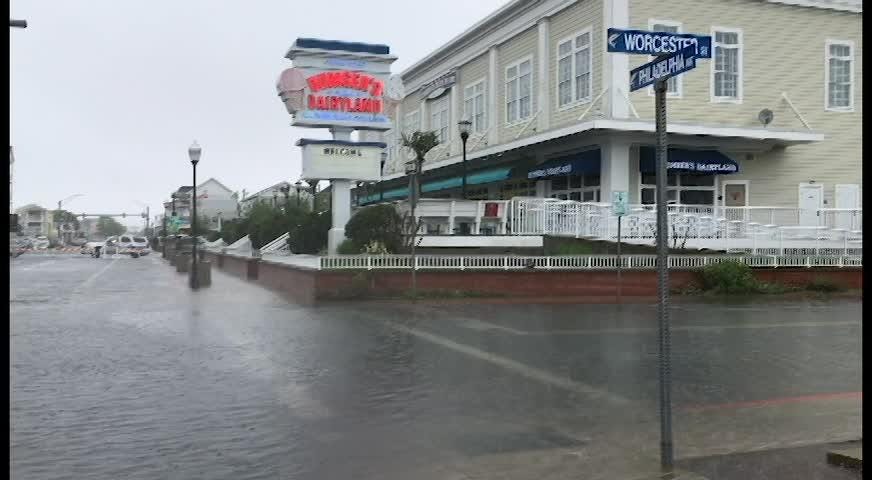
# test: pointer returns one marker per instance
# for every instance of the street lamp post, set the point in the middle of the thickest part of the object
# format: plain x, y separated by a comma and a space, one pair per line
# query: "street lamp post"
163, 233
381, 174
286, 190
298, 184
60, 206
464, 125
412, 173
194, 152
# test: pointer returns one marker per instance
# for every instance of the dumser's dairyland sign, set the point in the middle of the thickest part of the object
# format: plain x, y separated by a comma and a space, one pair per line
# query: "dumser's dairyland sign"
339, 84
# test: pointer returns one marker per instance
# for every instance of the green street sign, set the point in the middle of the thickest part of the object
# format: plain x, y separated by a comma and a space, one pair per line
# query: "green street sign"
619, 203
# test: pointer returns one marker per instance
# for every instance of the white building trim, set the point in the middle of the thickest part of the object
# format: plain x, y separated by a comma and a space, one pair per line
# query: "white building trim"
494, 30
855, 6
785, 137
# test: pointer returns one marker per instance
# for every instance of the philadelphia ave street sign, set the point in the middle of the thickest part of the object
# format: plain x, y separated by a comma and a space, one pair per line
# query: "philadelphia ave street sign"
662, 68
657, 43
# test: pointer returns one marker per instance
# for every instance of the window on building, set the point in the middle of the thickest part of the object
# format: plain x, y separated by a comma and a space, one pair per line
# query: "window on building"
390, 139
673, 84
574, 67
727, 66
682, 188
581, 188
412, 122
439, 118
519, 88
518, 188
840, 66
473, 106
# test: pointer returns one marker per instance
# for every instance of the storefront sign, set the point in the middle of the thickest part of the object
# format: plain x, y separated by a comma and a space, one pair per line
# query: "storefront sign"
338, 84
437, 87
549, 172
335, 159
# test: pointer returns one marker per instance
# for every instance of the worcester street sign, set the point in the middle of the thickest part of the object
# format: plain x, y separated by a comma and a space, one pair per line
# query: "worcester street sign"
662, 68
656, 43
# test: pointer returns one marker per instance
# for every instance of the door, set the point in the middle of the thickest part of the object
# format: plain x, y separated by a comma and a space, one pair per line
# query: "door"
810, 200
735, 193
847, 196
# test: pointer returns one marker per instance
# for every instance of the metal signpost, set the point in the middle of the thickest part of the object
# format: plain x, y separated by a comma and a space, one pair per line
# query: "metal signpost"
677, 54
619, 209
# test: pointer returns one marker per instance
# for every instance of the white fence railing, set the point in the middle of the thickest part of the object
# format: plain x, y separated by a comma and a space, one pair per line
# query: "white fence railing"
753, 229
581, 262
279, 244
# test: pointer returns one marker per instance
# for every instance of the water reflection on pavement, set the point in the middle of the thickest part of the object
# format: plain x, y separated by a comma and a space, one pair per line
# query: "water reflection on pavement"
119, 371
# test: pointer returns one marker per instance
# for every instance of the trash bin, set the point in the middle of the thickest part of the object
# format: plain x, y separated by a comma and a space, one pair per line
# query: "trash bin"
183, 261
204, 273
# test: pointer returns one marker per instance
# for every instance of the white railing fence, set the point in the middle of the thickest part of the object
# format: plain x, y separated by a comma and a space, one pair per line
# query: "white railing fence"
277, 245
692, 226
581, 262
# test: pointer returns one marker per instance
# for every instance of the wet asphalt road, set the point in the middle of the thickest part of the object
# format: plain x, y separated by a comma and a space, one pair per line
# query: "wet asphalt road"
119, 371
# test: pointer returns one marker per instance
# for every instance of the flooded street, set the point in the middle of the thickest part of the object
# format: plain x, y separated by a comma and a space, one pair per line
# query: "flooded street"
120, 371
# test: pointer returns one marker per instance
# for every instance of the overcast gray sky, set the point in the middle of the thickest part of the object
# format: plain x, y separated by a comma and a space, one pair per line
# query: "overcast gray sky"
107, 95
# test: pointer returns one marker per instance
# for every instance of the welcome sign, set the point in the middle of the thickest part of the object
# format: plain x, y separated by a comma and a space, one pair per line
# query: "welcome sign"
337, 159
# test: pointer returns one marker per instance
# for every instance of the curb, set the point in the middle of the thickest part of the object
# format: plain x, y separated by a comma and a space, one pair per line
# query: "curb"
849, 458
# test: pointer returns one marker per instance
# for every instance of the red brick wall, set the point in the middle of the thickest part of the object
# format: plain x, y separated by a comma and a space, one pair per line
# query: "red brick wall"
308, 286
532, 284
296, 284
233, 265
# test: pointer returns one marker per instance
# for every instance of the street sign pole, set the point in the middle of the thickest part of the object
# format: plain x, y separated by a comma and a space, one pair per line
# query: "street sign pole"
666, 452
619, 209
676, 54
619, 259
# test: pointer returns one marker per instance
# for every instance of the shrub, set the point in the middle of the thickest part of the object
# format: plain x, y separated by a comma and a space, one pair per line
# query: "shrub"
823, 285
379, 224
348, 247
375, 248
729, 277
574, 249
310, 234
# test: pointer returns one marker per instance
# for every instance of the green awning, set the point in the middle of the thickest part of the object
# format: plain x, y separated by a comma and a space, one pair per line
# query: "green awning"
476, 178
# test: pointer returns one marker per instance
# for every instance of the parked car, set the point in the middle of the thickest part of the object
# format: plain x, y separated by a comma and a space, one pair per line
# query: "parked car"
141, 244
41, 242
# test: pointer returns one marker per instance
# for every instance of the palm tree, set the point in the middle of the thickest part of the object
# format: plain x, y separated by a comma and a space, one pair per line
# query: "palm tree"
420, 143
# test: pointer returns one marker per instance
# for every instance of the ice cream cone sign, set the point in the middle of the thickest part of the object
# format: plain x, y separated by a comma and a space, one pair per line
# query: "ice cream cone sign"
290, 87
394, 94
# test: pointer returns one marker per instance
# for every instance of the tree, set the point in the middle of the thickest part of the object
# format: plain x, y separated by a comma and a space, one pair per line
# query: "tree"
64, 216
379, 224
420, 143
108, 226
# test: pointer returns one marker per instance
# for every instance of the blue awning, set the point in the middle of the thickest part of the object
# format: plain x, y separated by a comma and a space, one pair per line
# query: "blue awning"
583, 163
711, 162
